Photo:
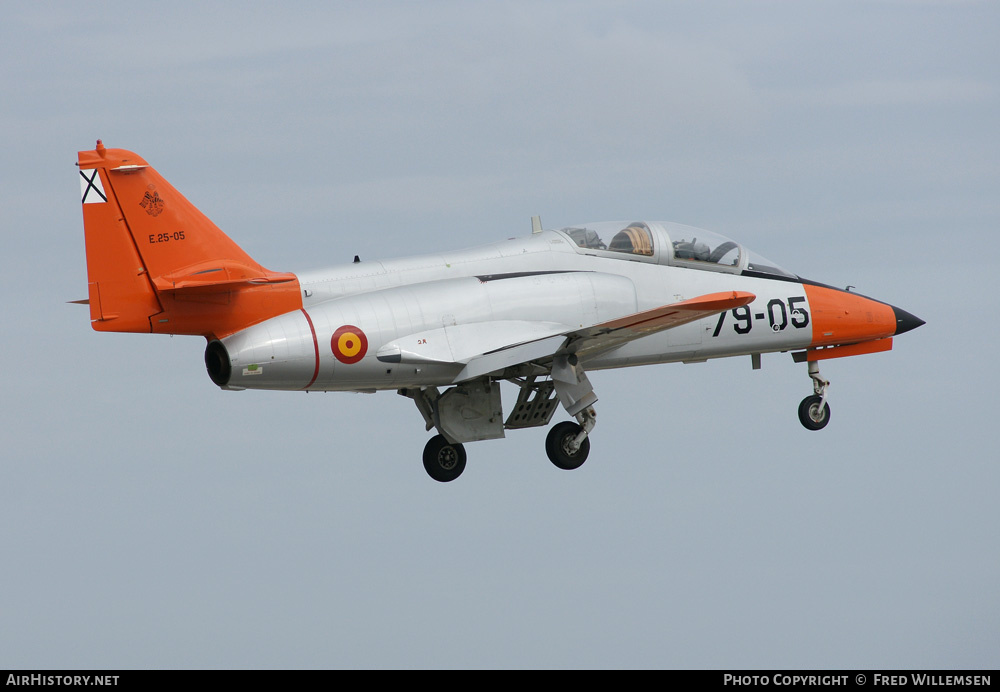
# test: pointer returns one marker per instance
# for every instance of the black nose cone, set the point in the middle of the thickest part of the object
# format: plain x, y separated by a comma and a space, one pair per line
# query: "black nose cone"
905, 321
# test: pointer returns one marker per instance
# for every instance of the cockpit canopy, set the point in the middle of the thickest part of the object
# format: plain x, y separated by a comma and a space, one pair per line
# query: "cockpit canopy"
632, 238
669, 243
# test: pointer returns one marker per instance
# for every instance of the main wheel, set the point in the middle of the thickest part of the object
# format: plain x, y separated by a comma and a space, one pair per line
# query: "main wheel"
811, 415
443, 460
557, 446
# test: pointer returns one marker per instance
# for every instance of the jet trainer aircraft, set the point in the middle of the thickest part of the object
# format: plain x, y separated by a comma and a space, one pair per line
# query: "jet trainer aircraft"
540, 312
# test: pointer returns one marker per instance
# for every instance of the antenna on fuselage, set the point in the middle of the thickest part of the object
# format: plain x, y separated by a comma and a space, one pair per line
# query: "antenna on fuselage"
536, 224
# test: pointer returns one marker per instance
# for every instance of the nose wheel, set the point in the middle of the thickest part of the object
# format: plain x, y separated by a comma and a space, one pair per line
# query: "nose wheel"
814, 412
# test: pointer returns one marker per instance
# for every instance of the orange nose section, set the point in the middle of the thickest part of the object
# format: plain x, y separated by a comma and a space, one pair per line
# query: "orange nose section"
841, 317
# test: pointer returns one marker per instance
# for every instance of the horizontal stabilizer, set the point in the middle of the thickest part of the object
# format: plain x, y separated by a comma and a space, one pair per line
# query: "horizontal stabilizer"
212, 277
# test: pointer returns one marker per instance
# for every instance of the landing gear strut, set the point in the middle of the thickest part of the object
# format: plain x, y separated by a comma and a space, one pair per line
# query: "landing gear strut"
814, 412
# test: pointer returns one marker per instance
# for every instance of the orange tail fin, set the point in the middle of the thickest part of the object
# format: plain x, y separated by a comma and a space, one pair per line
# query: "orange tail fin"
157, 264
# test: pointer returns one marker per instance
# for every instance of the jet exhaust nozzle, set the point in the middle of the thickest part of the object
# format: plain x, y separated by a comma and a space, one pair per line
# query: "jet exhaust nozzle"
217, 363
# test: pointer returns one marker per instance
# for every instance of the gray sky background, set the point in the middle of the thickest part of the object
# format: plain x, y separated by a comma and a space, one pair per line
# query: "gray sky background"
148, 519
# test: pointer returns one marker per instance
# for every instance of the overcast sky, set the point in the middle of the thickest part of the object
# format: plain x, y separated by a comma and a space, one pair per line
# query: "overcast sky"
150, 520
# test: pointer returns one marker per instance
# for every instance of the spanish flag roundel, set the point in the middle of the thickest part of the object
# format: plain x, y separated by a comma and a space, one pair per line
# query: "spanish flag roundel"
349, 344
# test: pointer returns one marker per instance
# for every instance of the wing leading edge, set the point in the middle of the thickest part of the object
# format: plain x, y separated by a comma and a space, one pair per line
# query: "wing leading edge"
604, 336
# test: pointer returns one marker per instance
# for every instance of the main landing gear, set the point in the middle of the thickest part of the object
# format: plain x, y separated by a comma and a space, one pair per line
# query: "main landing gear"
471, 411
568, 444
814, 412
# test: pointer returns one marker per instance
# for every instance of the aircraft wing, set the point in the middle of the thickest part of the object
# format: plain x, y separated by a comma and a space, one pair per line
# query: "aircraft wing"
599, 337
614, 333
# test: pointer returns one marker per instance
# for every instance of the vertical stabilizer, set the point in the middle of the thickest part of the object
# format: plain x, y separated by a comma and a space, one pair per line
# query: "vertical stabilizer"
155, 263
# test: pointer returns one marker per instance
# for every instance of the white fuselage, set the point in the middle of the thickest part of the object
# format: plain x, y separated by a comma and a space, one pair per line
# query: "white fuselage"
544, 279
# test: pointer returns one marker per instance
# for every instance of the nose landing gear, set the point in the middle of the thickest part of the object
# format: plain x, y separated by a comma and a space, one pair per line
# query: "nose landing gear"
814, 412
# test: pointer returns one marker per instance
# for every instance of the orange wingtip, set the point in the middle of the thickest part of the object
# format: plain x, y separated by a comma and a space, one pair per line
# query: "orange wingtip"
726, 300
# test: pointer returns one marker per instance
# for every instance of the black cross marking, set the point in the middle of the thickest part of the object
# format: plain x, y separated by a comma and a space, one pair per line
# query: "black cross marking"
91, 186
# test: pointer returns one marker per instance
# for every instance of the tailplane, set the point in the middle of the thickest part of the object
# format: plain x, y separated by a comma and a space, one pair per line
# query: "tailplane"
157, 264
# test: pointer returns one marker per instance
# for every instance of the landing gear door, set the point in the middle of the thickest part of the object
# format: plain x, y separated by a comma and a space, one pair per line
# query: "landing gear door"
470, 411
